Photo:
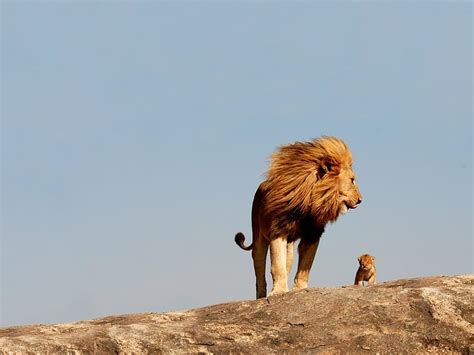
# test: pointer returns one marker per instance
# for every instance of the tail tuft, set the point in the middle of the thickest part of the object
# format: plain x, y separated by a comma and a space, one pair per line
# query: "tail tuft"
239, 240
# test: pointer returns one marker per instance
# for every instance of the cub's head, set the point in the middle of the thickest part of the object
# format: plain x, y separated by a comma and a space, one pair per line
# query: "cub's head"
366, 261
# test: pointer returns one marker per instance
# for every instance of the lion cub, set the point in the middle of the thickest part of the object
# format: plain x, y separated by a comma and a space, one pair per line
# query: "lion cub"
366, 271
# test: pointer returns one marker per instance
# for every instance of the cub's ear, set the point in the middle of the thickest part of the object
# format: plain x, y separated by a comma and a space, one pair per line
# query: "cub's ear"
358, 259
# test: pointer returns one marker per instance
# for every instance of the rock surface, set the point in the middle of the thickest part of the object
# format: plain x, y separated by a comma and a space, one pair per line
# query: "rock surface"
431, 314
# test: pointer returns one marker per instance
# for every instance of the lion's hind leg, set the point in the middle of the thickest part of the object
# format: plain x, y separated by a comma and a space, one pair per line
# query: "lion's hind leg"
278, 253
259, 256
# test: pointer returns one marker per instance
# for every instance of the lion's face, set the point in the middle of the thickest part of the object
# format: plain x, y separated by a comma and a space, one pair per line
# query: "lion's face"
366, 261
349, 194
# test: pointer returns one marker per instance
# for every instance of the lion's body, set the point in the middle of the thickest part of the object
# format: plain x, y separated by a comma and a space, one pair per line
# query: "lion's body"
308, 185
366, 270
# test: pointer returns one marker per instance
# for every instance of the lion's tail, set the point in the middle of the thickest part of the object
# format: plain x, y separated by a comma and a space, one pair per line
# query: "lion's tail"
239, 240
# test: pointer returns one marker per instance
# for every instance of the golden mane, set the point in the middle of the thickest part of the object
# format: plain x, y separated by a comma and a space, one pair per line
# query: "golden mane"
303, 179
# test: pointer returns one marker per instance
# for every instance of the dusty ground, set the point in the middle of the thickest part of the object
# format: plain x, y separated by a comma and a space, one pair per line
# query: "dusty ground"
432, 314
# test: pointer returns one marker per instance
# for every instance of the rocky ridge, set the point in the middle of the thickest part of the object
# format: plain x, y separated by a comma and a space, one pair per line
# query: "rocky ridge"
430, 314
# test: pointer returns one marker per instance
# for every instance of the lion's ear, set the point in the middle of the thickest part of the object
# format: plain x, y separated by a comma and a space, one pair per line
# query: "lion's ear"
328, 166
358, 259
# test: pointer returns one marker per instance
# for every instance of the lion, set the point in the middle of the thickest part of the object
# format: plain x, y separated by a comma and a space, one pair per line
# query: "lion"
366, 270
307, 185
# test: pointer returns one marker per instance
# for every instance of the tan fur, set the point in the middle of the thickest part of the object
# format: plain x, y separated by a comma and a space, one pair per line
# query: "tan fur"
308, 185
366, 271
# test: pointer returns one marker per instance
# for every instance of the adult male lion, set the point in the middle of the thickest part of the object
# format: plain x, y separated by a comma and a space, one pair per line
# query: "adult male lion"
308, 185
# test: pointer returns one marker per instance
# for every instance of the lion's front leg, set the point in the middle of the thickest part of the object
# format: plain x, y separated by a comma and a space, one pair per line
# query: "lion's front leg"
306, 250
278, 252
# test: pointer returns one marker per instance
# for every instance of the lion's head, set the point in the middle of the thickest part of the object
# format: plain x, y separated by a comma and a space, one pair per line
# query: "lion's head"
366, 261
312, 179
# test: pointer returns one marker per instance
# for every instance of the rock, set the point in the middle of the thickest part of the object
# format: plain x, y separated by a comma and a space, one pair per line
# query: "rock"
431, 314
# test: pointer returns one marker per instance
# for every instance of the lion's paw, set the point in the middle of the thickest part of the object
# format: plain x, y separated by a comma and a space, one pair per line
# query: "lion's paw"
277, 292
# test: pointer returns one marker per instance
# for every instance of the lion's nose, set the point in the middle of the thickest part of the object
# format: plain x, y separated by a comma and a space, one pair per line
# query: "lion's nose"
359, 201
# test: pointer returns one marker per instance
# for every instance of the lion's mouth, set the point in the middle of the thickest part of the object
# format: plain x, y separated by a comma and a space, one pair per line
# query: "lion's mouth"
349, 206
345, 206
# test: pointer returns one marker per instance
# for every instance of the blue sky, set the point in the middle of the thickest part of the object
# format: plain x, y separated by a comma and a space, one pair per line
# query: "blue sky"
134, 135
